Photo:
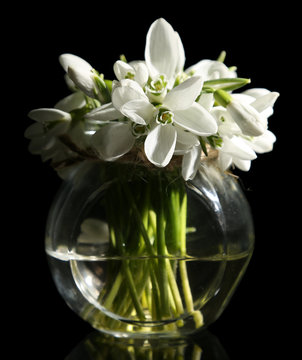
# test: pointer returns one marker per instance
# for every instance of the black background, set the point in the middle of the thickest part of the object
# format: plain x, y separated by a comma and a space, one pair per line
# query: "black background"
263, 44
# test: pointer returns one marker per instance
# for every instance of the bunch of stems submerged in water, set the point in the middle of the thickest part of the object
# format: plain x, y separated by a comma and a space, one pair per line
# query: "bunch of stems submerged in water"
147, 226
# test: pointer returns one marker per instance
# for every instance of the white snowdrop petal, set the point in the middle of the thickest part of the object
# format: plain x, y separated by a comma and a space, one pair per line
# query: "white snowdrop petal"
104, 113
83, 79
264, 102
243, 165
38, 145
224, 161
125, 91
141, 72
48, 114
181, 54
184, 95
71, 102
122, 69
185, 137
59, 129
162, 49
70, 60
191, 163
243, 98
256, 92
207, 101
139, 111
250, 121
34, 130
113, 141
160, 145
263, 143
181, 149
197, 120
237, 147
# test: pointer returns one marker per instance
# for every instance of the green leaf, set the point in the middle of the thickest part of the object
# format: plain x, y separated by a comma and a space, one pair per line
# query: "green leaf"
226, 84
203, 145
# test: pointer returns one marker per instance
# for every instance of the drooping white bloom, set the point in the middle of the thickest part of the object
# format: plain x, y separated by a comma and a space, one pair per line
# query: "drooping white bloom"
80, 72
260, 100
54, 121
84, 80
45, 144
85, 77
164, 52
248, 113
250, 121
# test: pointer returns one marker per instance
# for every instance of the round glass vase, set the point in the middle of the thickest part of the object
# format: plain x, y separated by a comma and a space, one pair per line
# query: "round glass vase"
139, 252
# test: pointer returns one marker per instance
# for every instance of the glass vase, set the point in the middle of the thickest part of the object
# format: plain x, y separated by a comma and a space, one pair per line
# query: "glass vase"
138, 252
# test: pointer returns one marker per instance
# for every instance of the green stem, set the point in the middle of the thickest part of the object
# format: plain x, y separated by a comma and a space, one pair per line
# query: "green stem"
198, 318
161, 250
132, 290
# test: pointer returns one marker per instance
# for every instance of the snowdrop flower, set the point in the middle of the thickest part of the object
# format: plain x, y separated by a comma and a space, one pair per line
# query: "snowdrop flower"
250, 117
45, 144
164, 52
211, 70
235, 144
135, 70
115, 139
51, 123
80, 72
130, 100
54, 121
85, 77
226, 125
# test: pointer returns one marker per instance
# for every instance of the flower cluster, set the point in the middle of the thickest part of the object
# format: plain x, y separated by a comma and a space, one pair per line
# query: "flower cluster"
156, 107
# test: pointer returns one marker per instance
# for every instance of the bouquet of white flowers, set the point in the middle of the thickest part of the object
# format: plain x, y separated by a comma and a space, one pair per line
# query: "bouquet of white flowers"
156, 108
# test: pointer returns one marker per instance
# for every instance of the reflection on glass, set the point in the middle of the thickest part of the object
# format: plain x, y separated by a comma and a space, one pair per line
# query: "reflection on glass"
97, 346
